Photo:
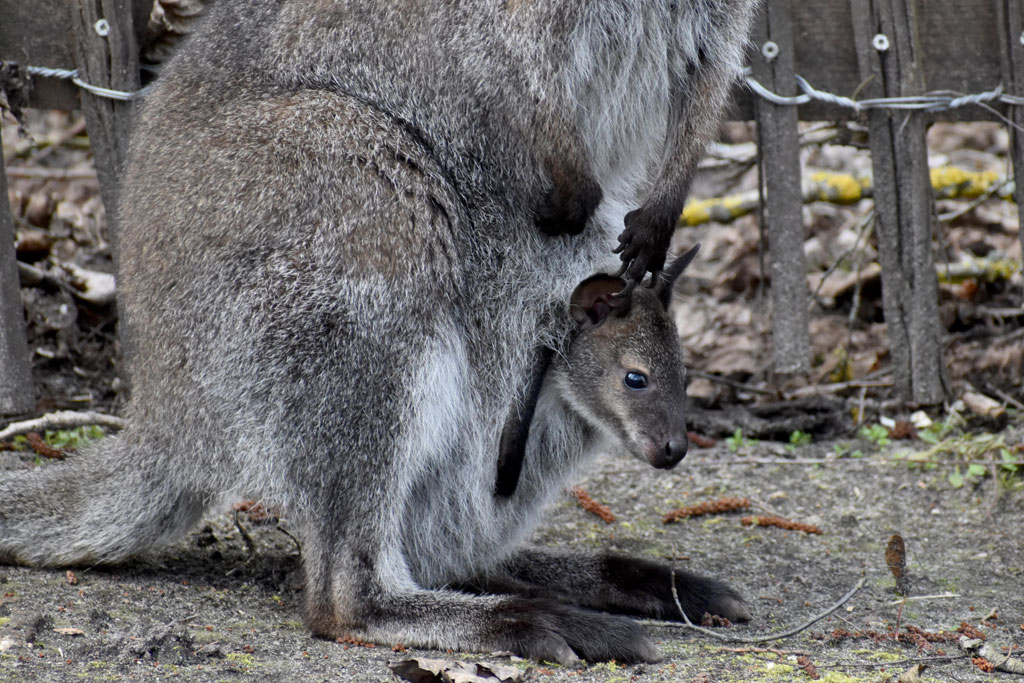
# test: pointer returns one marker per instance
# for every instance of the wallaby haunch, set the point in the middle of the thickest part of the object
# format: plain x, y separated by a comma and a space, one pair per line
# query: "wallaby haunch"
346, 226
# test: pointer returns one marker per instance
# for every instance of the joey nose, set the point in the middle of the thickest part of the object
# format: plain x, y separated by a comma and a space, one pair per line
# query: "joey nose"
672, 453
676, 448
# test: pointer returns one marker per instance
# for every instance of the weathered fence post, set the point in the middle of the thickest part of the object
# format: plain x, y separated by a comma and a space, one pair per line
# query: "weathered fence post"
1009, 15
106, 54
16, 393
779, 159
887, 52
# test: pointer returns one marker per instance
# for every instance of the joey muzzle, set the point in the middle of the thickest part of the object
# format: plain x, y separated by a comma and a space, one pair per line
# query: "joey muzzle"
666, 454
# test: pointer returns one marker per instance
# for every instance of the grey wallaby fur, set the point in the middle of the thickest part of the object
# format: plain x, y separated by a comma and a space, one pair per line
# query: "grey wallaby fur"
346, 228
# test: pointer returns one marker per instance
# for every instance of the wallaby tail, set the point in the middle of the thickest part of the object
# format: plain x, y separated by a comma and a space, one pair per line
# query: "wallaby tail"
101, 506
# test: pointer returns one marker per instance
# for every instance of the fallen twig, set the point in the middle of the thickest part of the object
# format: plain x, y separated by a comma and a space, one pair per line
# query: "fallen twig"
764, 638
729, 382
893, 664
835, 387
768, 650
974, 647
51, 173
61, 420
939, 596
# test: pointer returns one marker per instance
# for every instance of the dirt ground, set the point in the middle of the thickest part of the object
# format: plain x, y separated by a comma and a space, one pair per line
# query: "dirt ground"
211, 608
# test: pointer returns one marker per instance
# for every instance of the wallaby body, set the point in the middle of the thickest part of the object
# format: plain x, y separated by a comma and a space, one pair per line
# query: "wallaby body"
334, 281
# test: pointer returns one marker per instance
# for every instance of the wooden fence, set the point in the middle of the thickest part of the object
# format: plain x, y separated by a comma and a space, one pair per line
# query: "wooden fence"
868, 51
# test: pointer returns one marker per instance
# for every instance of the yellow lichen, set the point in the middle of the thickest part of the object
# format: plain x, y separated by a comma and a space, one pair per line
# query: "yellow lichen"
842, 188
950, 182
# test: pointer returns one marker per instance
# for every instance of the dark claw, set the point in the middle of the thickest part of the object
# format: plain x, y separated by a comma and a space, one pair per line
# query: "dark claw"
626, 291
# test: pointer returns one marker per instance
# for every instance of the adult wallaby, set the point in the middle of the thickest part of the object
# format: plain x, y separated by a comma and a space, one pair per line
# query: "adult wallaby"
336, 259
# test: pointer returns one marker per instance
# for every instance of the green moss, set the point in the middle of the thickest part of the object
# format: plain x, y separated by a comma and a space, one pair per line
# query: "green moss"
838, 677
4, 621
241, 659
886, 656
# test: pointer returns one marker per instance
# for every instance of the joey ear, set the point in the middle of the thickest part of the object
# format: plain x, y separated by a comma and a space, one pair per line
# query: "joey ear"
594, 299
667, 278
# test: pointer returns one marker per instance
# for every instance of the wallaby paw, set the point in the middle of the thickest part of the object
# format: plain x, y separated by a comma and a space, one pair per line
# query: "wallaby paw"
699, 596
568, 207
732, 608
551, 631
645, 588
643, 244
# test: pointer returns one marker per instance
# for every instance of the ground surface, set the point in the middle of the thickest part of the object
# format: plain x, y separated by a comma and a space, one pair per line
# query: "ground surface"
209, 609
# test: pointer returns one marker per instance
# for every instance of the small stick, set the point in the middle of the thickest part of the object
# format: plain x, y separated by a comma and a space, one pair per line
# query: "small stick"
764, 638
894, 664
60, 420
1005, 397
729, 382
769, 650
250, 546
51, 173
940, 596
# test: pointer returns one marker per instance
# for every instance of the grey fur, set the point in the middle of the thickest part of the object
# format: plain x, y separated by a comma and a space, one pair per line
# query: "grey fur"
334, 281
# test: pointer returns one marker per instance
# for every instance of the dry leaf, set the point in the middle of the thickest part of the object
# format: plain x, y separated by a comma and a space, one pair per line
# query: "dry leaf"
422, 670
982, 405
912, 675
69, 631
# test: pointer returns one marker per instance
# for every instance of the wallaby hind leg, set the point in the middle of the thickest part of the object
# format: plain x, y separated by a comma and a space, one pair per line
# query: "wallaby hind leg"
615, 583
355, 595
104, 505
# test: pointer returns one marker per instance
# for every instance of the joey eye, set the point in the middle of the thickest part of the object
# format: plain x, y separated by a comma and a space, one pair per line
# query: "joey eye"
635, 380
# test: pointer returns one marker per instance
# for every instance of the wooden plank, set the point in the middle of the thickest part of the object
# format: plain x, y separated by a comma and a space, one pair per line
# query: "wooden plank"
37, 33
1009, 21
957, 41
904, 206
109, 61
779, 147
17, 397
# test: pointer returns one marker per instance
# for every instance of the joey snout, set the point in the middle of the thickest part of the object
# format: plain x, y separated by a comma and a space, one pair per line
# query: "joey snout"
665, 452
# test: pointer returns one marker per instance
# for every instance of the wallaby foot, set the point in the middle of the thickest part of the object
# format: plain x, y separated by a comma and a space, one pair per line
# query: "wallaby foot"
355, 595
537, 629
553, 631
616, 583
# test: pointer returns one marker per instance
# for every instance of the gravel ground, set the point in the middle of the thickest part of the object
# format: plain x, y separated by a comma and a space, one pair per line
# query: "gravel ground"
208, 609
